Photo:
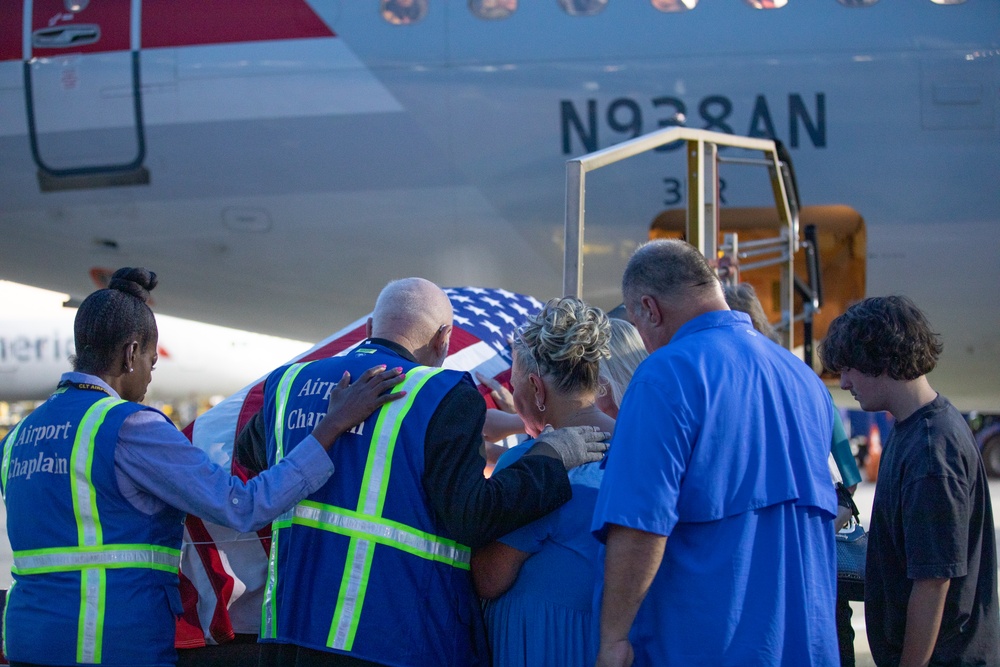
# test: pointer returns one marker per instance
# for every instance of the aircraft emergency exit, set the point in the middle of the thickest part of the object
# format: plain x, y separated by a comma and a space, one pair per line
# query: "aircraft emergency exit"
278, 161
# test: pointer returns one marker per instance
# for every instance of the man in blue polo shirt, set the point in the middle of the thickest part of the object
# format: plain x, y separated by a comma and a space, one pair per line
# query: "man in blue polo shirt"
716, 506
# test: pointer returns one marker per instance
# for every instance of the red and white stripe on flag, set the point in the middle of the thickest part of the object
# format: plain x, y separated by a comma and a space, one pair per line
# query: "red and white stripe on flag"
222, 571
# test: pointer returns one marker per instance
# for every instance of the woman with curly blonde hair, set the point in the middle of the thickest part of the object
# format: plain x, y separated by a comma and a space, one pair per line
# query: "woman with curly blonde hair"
539, 580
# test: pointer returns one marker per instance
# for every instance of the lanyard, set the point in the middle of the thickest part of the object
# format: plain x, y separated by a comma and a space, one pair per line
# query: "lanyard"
88, 386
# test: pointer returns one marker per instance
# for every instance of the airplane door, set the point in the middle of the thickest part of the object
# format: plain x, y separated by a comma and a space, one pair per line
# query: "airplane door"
83, 93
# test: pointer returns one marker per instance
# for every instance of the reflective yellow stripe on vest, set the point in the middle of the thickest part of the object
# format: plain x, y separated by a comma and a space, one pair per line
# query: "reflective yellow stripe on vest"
43, 561
284, 385
382, 531
267, 611
354, 583
366, 527
93, 581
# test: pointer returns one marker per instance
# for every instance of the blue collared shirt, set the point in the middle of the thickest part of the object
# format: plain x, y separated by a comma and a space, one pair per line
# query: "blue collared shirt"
721, 421
157, 466
721, 444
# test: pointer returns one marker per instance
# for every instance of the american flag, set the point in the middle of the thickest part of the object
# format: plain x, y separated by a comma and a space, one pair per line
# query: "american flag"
222, 571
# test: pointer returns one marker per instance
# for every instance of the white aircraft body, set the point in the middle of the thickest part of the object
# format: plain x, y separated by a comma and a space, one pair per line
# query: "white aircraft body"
278, 161
196, 361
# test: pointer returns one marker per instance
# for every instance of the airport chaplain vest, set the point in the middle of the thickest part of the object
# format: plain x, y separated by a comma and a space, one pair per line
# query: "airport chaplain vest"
361, 567
95, 580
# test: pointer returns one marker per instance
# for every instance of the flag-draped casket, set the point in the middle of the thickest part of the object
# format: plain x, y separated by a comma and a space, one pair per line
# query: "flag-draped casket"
222, 571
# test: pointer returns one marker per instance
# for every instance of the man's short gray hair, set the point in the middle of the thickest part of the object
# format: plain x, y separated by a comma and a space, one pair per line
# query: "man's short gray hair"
663, 268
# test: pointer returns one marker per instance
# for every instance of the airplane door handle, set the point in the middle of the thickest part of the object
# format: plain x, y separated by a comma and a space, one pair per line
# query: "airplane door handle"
63, 37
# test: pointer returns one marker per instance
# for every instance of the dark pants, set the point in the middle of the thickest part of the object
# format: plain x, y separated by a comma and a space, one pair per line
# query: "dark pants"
242, 650
845, 632
289, 655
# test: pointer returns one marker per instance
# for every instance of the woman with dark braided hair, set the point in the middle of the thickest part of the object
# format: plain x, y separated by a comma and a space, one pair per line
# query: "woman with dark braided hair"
97, 486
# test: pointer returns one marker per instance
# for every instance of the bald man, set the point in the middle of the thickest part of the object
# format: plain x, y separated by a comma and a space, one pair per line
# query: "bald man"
374, 567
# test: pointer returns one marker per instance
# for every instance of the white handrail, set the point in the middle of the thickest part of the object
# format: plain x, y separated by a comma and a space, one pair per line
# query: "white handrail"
702, 199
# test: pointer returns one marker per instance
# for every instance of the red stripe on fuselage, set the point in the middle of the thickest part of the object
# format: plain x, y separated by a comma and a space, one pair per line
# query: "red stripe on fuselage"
11, 26
113, 17
165, 23
190, 22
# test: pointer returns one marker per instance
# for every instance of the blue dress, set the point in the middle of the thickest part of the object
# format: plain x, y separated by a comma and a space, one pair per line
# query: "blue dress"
545, 618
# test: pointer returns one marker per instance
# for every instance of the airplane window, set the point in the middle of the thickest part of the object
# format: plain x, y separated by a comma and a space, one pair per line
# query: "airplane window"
492, 9
767, 4
857, 3
674, 5
583, 7
404, 12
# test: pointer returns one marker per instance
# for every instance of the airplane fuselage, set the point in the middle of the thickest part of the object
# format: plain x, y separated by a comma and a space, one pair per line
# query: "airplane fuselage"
296, 161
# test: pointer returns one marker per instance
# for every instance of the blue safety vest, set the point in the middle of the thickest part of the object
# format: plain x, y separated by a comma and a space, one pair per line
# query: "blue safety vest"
95, 580
362, 567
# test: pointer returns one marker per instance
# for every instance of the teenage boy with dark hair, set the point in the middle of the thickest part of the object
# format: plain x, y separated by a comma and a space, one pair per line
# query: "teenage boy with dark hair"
931, 581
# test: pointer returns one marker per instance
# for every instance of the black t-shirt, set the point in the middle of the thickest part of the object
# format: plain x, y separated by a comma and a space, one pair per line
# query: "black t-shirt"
932, 518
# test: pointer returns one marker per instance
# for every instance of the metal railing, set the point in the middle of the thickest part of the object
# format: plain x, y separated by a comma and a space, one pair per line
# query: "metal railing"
702, 226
